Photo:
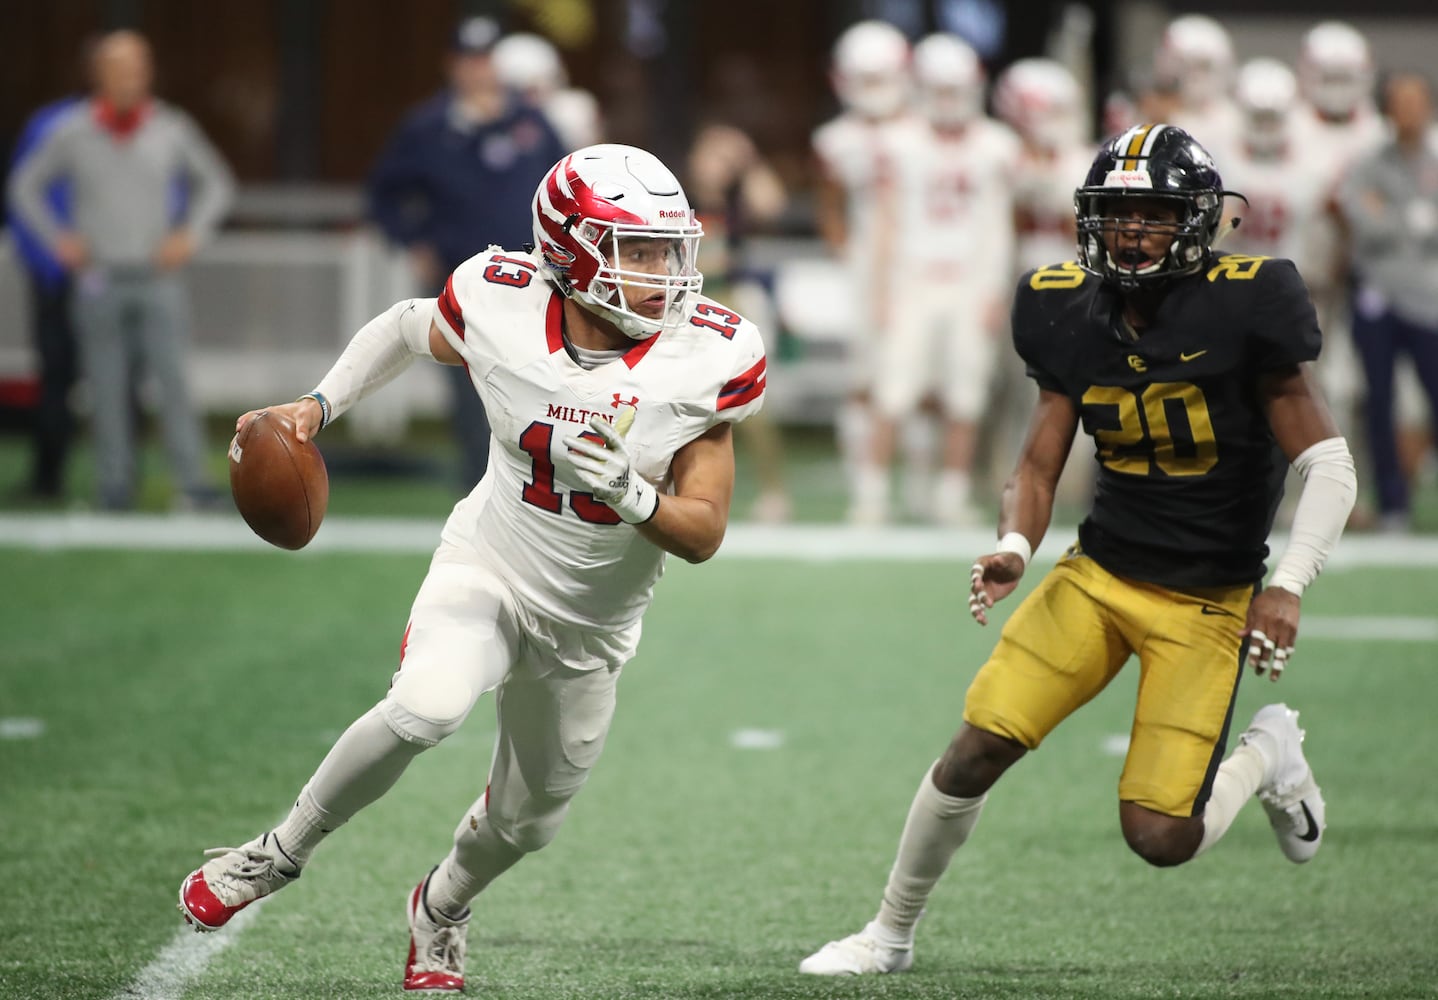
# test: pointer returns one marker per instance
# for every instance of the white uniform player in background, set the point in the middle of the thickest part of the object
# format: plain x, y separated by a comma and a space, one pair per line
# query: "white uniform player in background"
1043, 102
611, 386
951, 277
532, 66
1195, 55
1287, 189
1340, 125
857, 202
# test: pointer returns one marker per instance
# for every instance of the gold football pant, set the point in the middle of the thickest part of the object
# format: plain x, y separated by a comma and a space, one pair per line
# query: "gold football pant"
1071, 636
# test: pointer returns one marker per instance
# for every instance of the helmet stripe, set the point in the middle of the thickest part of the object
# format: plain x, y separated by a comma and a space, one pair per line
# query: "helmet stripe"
1134, 145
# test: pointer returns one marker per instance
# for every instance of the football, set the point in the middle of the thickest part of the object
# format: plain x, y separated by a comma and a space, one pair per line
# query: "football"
279, 483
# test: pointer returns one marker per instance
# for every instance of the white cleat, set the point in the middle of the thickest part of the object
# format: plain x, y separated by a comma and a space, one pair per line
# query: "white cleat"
861, 954
1288, 794
437, 946
233, 879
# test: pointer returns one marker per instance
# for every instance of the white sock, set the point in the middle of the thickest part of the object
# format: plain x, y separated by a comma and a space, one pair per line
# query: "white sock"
479, 856
1238, 778
853, 424
364, 763
937, 826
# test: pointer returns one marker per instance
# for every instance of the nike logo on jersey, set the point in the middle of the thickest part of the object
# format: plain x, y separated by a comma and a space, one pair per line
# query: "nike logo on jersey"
1210, 610
1190, 357
1312, 834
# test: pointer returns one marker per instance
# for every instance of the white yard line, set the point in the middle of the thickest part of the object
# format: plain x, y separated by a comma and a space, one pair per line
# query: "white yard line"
808, 542
184, 959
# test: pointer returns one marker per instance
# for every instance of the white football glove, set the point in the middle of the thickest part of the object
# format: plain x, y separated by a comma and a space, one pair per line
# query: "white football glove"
609, 472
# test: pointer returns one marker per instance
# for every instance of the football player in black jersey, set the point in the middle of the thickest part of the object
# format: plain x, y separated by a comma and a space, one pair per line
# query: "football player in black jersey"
1191, 372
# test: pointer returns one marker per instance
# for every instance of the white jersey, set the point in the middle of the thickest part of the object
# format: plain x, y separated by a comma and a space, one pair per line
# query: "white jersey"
567, 555
1044, 185
1287, 197
956, 221
1218, 127
1333, 147
862, 157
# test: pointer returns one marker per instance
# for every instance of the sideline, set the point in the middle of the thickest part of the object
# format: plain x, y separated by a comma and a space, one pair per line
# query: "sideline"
805, 542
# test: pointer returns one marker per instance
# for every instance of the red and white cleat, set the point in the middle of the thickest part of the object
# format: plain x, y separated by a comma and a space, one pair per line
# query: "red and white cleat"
436, 947
232, 880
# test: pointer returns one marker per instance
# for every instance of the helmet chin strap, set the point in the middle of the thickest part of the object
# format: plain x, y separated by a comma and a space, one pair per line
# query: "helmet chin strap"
632, 326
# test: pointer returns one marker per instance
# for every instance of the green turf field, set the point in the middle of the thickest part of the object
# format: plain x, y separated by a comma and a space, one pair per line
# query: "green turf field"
185, 696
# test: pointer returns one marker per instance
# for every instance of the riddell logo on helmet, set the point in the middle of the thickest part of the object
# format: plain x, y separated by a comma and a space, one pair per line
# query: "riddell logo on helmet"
665, 213
1128, 179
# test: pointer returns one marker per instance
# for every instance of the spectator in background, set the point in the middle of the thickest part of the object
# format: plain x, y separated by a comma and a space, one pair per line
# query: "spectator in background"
734, 190
50, 325
1390, 201
531, 66
457, 176
123, 152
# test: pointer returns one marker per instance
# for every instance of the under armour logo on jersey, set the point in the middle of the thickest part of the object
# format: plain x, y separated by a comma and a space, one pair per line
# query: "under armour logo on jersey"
621, 401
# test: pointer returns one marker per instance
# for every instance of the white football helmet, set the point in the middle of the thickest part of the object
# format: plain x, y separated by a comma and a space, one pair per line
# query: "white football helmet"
1197, 53
1267, 93
529, 64
599, 197
871, 69
1335, 69
1041, 100
950, 79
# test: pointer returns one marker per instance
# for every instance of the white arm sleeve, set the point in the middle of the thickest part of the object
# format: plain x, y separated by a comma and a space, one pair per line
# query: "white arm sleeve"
1329, 488
384, 347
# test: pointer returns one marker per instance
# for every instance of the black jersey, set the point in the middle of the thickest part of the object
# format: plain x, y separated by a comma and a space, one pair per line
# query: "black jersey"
1189, 473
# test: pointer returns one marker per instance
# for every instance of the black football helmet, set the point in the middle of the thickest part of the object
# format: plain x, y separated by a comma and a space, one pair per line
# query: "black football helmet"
1150, 161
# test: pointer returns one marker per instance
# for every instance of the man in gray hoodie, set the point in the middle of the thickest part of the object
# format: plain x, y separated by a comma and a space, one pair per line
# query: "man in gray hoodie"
147, 190
1390, 200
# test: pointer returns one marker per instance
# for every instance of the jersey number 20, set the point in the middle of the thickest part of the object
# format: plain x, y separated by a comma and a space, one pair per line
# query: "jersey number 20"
1147, 421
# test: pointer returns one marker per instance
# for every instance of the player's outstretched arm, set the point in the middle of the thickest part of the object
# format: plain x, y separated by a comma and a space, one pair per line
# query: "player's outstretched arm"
1308, 435
1028, 502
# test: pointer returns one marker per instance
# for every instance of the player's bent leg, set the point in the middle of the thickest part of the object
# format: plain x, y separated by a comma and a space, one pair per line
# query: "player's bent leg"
233, 879
438, 943
1288, 792
1163, 841
974, 760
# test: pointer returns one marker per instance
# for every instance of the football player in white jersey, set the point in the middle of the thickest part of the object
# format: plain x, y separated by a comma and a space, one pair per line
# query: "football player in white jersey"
955, 241
1043, 102
1196, 53
857, 202
612, 386
530, 65
1286, 189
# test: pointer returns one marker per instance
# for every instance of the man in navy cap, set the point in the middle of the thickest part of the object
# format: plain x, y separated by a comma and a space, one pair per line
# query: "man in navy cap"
456, 176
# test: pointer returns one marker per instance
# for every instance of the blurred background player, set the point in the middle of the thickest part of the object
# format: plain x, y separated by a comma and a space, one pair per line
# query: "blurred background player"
529, 64
1390, 200
857, 207
455, 177
1194, 63
948, 299
1286, 188
124, 152
1339, 124
1042, 101
735, 190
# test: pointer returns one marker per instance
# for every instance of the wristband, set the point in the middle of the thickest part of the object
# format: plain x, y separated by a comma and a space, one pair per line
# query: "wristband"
1016, 543
325, 408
